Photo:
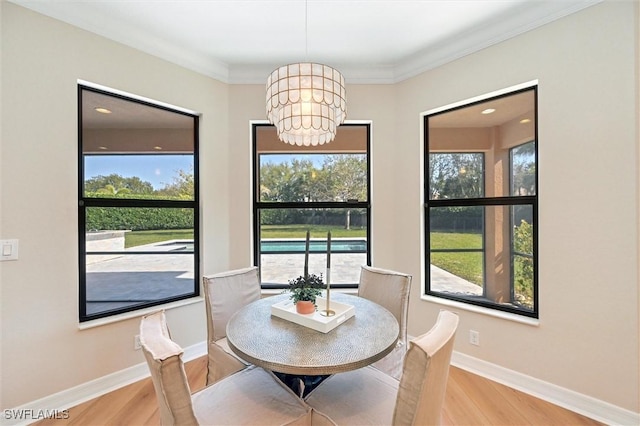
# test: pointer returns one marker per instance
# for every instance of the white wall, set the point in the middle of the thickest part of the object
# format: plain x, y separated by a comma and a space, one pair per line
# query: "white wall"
1, 198
43, 351
587, 339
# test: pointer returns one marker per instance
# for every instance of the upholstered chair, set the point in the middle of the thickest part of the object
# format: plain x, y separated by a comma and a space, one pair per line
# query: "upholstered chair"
368, 396
251, 396
391, 290
225, 293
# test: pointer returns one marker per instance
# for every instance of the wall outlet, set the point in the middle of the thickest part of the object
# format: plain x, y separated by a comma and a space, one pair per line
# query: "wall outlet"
474, 337
136, 342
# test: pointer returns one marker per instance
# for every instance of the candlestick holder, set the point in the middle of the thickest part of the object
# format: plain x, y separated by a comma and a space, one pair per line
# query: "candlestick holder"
328, 312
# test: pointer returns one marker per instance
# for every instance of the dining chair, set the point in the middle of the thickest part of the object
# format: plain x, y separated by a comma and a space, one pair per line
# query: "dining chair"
369, 396
225, 293
249, 397
391, 290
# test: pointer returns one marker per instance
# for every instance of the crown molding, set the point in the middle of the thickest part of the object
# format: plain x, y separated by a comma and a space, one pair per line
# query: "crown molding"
526, 18
529, 16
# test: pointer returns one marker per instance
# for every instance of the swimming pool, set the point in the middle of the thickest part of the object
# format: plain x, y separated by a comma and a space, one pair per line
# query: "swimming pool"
297, 246
289, 246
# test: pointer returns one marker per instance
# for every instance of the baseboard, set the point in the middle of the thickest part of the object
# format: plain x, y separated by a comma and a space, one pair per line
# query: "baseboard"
56, 404
582, 404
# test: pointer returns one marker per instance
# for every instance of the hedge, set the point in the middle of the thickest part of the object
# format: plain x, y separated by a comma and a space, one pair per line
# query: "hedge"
137, 218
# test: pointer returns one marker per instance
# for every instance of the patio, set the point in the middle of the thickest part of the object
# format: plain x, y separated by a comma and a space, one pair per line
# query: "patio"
127, 280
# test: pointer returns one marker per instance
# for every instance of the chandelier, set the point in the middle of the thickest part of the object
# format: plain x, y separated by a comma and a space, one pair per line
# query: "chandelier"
306, 102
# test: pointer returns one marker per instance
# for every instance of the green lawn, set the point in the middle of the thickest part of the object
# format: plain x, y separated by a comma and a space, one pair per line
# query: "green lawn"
317, 231
463, 264
469, 265
138, 238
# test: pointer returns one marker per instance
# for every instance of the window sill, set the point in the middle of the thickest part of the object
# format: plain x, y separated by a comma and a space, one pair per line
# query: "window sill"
482, 310
137, 314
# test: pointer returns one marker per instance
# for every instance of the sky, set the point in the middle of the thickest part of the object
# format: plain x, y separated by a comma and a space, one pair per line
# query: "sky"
160, 169
156, 169
316, 159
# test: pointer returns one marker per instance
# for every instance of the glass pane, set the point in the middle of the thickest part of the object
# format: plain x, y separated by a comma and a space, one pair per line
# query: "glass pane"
453, 176
312, 177
460, 220
137, 255
136, 150
523, 169
483, 253
496, 128
121, 281
282, 243
115, 125
523, 261
459, 273
456, 237
139, 176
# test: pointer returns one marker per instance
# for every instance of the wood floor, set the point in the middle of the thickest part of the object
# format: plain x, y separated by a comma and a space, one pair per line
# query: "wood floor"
470, 400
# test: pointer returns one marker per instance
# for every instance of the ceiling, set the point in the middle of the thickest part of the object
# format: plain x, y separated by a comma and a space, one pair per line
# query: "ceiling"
369, 41
127, 114
503, 110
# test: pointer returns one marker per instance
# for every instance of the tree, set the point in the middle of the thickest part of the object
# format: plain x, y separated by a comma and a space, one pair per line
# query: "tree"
346, 176
340, 178
347, 180
115, 184
111, 190
182, 186
524, 169
456, 175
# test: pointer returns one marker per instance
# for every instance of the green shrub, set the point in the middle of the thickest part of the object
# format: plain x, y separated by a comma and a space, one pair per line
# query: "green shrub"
523, 265
137, 218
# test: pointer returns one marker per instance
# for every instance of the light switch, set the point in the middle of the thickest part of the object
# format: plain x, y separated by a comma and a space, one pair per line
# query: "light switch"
9, 249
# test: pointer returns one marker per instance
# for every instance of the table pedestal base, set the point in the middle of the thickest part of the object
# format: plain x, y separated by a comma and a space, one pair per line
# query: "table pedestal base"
299, 384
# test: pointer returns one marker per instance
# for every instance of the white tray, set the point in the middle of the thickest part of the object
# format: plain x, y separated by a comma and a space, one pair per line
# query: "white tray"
287, 310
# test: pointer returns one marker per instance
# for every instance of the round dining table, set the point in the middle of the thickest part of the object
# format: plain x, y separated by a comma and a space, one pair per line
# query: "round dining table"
284, 346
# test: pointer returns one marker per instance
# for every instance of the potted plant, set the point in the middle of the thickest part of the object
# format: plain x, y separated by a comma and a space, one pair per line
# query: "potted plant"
304, 291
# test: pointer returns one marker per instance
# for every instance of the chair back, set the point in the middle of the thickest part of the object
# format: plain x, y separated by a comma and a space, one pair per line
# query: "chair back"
426, 371
225, 293
391, 290
164, 358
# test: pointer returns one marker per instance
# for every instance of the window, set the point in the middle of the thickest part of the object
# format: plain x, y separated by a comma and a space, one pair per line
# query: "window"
320, 189
481, 203
137, 204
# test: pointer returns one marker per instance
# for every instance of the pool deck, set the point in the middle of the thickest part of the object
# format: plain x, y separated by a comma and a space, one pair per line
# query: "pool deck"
126, 279
280, 268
